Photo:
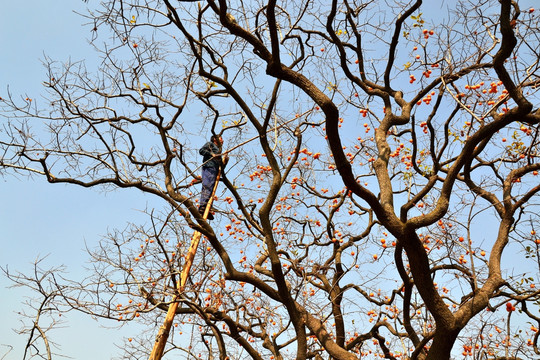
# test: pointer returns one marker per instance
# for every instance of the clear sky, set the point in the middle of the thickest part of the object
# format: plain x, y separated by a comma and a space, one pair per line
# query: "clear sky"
37, 219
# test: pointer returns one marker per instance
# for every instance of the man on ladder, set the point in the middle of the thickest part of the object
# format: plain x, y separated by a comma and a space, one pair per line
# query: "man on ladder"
212, 162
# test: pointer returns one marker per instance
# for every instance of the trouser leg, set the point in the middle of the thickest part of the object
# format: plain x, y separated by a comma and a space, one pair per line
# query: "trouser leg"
209, 176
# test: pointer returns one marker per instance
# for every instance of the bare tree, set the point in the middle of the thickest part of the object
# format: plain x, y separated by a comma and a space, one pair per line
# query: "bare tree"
42, 314
381, 200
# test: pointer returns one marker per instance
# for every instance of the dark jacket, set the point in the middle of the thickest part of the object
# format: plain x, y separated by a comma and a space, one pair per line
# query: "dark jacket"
206, 151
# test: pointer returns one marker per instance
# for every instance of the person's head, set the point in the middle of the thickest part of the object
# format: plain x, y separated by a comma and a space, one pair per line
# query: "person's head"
217, 139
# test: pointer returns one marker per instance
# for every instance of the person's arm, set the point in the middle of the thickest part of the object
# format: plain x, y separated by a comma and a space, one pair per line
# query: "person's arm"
206, 150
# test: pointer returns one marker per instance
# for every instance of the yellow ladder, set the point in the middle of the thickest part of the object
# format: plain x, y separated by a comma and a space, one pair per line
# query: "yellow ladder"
163, 334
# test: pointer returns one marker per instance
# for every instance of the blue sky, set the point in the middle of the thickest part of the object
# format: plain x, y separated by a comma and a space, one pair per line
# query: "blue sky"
37, 219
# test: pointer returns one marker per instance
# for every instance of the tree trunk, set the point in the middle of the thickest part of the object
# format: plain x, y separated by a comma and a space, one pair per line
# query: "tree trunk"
442, 345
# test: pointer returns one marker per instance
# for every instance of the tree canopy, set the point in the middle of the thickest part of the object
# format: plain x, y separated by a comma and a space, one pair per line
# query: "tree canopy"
382, 194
